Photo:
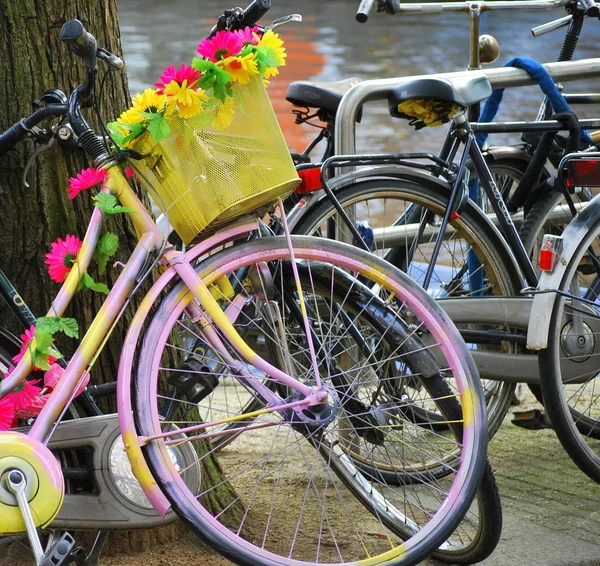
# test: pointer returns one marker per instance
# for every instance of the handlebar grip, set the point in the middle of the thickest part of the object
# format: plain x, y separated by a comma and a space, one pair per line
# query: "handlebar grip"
590, 9
81, 42
362, 14
12, 136
252, 13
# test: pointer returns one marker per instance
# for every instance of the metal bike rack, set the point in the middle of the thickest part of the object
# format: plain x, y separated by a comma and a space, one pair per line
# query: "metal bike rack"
503, 77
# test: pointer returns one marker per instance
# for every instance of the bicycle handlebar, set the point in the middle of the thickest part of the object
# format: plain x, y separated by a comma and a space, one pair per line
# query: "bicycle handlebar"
589, 8
238, 19
362, 14
19, 131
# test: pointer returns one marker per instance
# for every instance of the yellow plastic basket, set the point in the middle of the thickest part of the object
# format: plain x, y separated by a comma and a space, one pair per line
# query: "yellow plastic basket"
229, 160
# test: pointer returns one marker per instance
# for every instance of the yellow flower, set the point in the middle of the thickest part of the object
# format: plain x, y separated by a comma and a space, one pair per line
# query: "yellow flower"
149, 101
241, 68
271, 39
130, 117
188, 101
271, 72
224, 115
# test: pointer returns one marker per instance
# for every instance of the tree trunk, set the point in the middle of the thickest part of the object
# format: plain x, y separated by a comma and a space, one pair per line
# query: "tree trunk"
35, 61
32, 218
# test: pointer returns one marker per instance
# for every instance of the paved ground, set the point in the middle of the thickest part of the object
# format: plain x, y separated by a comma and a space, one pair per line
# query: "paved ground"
551, 514
551, 509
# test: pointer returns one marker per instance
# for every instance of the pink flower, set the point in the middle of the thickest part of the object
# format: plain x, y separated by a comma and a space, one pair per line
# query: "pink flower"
7, 412
246, 35
34, 408
26, 340
184, 73
85, 179
62, 256
23, 396
52, 376
224, 44
129, 172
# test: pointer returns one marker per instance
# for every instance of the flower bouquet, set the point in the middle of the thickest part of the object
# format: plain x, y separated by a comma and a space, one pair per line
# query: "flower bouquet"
210, 144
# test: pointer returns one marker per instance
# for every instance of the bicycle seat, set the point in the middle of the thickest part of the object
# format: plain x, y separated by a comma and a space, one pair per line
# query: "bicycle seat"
433, 101
326, 95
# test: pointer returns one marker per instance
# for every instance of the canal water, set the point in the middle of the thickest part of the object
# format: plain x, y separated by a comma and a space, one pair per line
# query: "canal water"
330, 45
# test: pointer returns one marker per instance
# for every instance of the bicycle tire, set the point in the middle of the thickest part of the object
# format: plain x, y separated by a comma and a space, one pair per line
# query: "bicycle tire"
469, 228
571, 406
233, 541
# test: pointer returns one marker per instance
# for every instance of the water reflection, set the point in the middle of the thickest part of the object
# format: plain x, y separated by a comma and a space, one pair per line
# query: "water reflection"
331, 45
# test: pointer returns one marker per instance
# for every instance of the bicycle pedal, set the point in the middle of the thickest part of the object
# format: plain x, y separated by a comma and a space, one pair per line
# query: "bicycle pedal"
531, 420
60, 553
194, 379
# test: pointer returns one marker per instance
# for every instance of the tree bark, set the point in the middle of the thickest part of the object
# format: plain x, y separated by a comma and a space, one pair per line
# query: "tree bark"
32, 218
35, 61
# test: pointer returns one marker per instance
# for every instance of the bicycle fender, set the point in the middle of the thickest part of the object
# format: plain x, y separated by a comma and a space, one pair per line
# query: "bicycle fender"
543, 304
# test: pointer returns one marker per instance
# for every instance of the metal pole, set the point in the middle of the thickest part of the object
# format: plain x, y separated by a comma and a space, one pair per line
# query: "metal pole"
503, 77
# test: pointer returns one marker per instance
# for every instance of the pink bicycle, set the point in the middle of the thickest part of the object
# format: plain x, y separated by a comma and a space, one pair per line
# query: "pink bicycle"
321, 345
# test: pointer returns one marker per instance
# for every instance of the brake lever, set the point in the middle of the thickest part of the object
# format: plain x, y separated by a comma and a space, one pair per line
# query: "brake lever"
38, 150
283, 21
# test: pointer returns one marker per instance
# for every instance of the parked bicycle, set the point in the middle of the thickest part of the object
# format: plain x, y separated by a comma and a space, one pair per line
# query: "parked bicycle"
352, 335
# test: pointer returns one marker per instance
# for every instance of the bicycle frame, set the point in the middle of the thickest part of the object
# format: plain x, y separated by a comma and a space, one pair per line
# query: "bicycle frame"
177, 264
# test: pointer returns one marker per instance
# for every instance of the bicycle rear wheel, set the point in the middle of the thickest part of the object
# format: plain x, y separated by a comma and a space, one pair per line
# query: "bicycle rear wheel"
292, 493
396, 210
568, 367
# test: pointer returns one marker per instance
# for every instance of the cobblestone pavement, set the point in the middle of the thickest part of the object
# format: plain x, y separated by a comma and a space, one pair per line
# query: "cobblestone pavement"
551, 509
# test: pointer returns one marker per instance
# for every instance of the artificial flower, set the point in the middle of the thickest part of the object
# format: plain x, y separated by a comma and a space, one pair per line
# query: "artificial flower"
85, 179
224, 44
130, 117
52, 376
7, 412
24, 395
184, 73
189, 101
149, 101
272, 40
249, 36
224, 115
62, 256
129, 172
241, 69
36, 404
26, 339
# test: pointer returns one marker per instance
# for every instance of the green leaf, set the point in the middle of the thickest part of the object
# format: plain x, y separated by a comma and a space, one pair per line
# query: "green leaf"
41, 361
70, 327
135, 129
89, 283
52, 324
116, 133
267, 56
43, 341
106, 248
158, 127
46, 324
108, 204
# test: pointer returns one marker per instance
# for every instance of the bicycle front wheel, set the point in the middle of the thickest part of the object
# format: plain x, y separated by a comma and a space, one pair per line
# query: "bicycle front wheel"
284, 489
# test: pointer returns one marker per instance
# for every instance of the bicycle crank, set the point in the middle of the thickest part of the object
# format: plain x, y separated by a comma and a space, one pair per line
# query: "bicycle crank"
31, 485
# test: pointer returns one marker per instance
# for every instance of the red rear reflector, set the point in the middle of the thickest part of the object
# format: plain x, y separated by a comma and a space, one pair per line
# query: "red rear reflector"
311, 180
550, 252
583, 173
